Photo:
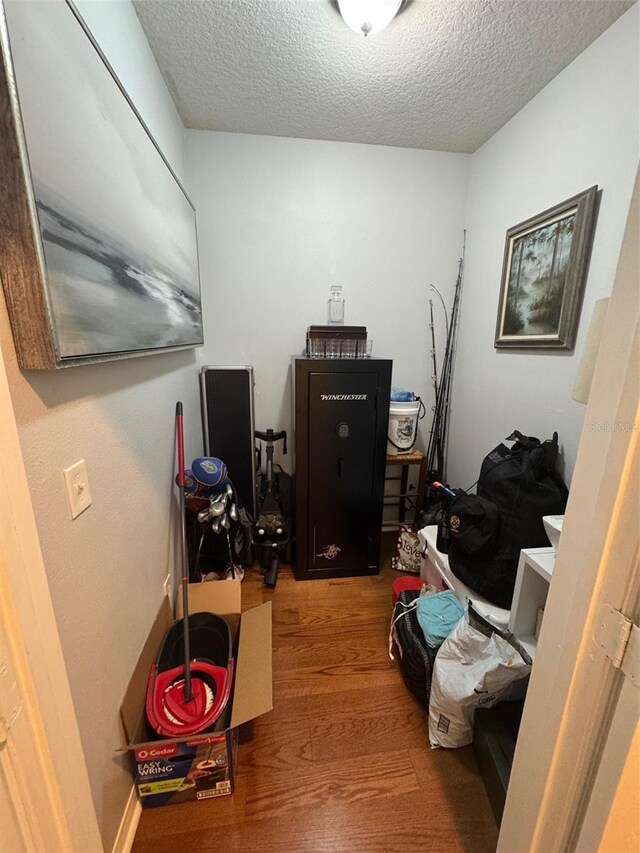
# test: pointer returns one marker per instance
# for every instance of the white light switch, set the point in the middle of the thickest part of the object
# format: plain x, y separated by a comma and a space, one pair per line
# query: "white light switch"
77, 483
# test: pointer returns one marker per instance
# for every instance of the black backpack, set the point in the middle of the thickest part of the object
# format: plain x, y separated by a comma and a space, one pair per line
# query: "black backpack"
487, 531
472, 523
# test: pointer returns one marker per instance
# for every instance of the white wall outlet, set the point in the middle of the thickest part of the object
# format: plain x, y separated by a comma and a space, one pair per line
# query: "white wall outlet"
77, 483
166, 586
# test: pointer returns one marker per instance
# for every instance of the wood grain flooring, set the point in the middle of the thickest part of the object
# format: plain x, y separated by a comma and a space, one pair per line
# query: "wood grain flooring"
343, 761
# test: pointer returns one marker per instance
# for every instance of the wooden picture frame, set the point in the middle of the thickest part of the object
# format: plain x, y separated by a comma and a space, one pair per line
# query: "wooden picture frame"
544, 273
98, 243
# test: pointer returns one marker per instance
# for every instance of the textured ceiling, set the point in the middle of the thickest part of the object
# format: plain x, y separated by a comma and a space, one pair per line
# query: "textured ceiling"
445, 74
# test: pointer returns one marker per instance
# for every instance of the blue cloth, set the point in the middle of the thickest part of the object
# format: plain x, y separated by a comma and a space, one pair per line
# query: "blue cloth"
438, 614
400, 396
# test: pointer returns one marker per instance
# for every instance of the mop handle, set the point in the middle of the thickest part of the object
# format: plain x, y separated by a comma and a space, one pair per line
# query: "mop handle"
188, 695
180, 444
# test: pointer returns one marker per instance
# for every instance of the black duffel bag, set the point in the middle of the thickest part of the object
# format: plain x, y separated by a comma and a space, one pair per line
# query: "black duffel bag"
415, 658
516, 487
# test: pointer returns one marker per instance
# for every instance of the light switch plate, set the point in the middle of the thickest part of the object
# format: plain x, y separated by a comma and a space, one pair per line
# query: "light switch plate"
77, 482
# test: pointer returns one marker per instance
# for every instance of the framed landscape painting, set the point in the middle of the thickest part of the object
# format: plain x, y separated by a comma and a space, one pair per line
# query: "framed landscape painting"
98, 249
543, 275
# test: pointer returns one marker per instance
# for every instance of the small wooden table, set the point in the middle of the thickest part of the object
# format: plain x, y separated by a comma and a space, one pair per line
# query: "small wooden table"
415, 498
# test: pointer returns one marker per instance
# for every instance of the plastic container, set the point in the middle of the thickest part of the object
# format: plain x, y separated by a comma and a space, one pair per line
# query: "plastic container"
403, 426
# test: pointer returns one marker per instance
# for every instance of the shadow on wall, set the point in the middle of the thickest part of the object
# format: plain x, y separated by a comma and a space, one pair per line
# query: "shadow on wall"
90, 380
560, 462
59, 387
113, 788
538, 352
284, 418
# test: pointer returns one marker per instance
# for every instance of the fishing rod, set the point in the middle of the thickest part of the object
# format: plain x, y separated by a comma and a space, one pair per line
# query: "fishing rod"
446, 405
434, 375
438, 438
450, 355
435, 447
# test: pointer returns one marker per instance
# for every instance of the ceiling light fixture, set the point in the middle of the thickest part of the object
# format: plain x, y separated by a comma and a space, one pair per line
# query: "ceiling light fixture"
368, 16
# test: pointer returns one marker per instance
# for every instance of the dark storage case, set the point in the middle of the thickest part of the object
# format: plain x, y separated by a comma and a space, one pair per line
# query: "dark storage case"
226, 396
341, 416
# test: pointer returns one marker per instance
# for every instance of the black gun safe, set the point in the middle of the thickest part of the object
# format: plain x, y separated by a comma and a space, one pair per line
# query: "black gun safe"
341, 415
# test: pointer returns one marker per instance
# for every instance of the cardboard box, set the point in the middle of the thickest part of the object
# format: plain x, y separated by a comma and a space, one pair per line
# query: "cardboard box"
201, 766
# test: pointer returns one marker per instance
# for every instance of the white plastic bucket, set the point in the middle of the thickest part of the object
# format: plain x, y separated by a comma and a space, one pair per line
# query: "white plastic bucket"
403, 423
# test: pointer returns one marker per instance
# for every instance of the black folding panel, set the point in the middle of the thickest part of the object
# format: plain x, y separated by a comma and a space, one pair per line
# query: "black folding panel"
226, 395
341, 415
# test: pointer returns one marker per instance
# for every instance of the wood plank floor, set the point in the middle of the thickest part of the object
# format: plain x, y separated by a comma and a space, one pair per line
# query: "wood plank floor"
343, 761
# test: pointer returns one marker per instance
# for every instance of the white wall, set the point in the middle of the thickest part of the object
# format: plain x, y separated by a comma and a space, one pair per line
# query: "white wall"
280, 220
106, 569
581, 130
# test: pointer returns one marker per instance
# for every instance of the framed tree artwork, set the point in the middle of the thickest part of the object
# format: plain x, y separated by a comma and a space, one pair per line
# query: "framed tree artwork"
98, 249
544, 272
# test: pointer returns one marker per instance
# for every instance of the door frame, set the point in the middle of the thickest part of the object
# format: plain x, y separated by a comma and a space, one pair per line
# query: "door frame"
573, 695
43, 750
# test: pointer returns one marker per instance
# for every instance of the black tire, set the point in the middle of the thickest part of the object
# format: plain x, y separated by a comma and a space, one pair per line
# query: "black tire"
271, 575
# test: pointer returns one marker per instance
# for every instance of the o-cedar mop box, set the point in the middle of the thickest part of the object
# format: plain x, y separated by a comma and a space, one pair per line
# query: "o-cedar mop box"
415, 658
182, 772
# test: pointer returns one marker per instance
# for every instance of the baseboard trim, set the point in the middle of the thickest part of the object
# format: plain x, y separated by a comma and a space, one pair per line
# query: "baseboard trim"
128, 824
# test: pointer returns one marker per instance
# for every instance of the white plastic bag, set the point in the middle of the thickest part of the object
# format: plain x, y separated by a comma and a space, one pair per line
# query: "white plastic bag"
471, 670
